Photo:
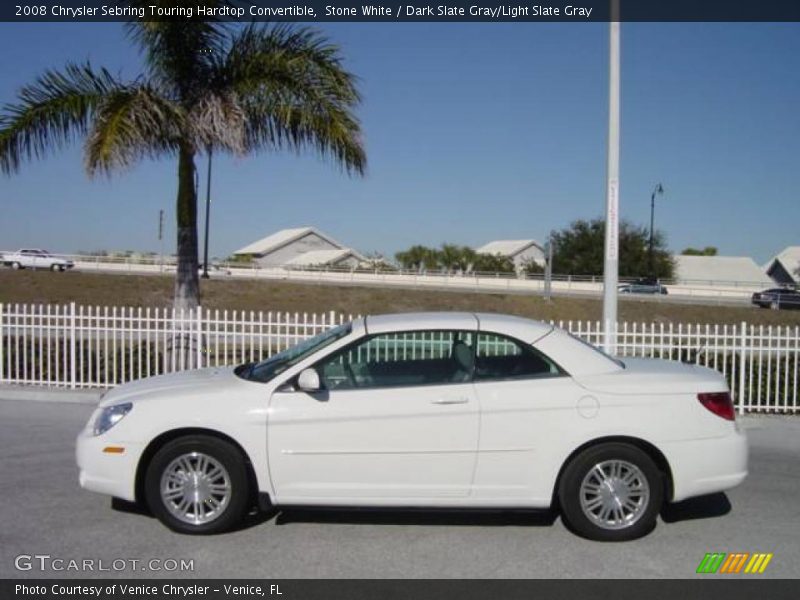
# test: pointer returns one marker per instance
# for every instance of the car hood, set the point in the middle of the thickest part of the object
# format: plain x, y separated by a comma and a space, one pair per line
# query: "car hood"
173, 384
655, 376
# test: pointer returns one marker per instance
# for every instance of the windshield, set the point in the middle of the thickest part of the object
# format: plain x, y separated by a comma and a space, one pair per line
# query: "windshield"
277, 363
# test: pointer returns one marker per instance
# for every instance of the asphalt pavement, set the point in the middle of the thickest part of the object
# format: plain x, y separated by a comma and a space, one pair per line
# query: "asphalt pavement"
44, 512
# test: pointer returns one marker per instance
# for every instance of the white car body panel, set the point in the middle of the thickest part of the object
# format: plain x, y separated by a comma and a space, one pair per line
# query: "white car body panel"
35, 259
483, 444
362, 444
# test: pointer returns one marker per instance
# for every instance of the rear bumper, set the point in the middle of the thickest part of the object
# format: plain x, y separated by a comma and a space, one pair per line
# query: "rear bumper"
707, 466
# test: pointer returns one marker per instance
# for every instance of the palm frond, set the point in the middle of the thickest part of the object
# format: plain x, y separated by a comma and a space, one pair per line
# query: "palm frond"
50, 112
294, 92
178, 51
217, 121
130, 124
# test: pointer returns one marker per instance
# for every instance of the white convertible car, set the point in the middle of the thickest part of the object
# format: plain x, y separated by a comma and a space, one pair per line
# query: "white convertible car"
422, 410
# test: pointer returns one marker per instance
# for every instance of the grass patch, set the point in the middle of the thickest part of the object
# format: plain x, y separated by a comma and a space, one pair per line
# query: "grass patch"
34, 287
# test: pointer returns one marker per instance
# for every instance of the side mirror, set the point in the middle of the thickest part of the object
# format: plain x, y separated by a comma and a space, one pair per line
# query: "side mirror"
308, 381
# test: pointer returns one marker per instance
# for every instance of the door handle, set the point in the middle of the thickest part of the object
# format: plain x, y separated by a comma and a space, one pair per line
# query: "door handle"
450, 401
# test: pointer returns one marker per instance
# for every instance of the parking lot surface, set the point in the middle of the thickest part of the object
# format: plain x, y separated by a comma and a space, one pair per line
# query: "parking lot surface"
44, 512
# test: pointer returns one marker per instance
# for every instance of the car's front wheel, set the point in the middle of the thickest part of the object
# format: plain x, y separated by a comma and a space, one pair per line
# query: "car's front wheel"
198, 484
16, 266
611, 492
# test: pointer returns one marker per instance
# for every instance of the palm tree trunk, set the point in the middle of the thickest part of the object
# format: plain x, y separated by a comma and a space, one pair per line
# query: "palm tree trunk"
187, 285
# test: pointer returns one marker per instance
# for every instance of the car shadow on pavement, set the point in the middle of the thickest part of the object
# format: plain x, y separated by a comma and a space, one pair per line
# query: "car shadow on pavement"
252, 519
134, 508
701, 507
427, 516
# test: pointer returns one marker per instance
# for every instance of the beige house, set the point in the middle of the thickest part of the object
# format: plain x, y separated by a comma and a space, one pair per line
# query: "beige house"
719, 270
783, 267
519, 251
298, 248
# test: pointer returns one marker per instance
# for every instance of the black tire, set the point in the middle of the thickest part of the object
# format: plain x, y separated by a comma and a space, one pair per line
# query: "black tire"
55, 268
16, 266
775, 305
224, 453
579, 468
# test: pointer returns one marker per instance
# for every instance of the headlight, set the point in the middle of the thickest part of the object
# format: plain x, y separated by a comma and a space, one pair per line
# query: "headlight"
110, 416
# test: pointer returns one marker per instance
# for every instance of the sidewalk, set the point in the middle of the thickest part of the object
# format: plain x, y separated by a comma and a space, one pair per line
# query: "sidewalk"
49, 394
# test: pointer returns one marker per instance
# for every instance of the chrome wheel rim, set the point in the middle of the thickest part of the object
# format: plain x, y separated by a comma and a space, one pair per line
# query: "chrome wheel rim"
195, 488
614, 494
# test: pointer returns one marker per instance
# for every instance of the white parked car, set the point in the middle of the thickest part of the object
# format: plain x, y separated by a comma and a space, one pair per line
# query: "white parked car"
34, 258
423, 410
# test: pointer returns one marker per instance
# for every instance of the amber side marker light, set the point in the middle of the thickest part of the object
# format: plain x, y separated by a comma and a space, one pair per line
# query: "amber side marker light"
113, 449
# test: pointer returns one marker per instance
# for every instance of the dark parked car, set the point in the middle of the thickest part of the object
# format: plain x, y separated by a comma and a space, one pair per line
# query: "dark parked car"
642, 286
777, 298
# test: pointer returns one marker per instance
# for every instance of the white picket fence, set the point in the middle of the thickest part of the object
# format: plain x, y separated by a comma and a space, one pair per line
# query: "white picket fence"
98, 347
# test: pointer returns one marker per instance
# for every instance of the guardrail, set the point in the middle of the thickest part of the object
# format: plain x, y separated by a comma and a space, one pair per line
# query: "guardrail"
97, 347
168, 262
718, 293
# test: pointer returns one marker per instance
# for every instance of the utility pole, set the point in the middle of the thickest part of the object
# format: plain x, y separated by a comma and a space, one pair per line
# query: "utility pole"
658, 190
161, 235
611, 267
208, 214
548, 270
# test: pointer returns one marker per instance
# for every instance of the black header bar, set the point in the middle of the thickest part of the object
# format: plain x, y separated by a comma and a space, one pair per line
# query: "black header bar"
579, 11
709, 588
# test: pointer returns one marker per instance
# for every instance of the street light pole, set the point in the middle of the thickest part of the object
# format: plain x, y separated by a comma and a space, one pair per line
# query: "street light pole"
208, 214
611, 266
658, 190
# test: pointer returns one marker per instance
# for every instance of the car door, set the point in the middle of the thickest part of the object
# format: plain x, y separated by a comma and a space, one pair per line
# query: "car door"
28, 258
395, 423
527, 405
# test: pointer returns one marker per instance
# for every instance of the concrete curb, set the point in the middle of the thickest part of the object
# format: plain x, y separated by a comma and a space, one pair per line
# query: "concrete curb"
49, 394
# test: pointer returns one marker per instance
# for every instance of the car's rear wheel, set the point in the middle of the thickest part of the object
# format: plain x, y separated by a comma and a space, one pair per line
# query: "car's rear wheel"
198, 484
611, 492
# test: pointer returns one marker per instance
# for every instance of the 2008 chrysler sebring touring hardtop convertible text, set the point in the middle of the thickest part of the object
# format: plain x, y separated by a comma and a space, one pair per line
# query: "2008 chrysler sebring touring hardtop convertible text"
423, 410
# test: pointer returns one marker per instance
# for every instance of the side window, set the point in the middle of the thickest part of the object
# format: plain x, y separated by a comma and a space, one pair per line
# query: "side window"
501, 357
401, 359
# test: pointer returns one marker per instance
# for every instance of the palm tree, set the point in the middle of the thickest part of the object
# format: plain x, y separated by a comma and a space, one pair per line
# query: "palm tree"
450, 257
207, 87
417, 257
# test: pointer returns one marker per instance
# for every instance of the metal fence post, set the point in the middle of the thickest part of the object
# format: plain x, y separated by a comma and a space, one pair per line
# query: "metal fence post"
72, 352
2, 343
199, 337
742, 355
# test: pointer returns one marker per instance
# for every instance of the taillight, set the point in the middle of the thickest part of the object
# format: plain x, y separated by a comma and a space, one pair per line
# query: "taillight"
719, 403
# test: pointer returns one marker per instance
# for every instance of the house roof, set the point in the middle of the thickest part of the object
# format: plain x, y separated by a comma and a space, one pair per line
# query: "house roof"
738, 269
789, 258
322, 257
507, 247
281, 238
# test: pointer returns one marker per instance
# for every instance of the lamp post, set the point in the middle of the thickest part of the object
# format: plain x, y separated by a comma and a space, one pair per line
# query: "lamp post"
657, 191
611, 253
208, 214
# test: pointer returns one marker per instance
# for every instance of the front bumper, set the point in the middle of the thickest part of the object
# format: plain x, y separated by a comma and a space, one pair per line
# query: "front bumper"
107, 473
701, 467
